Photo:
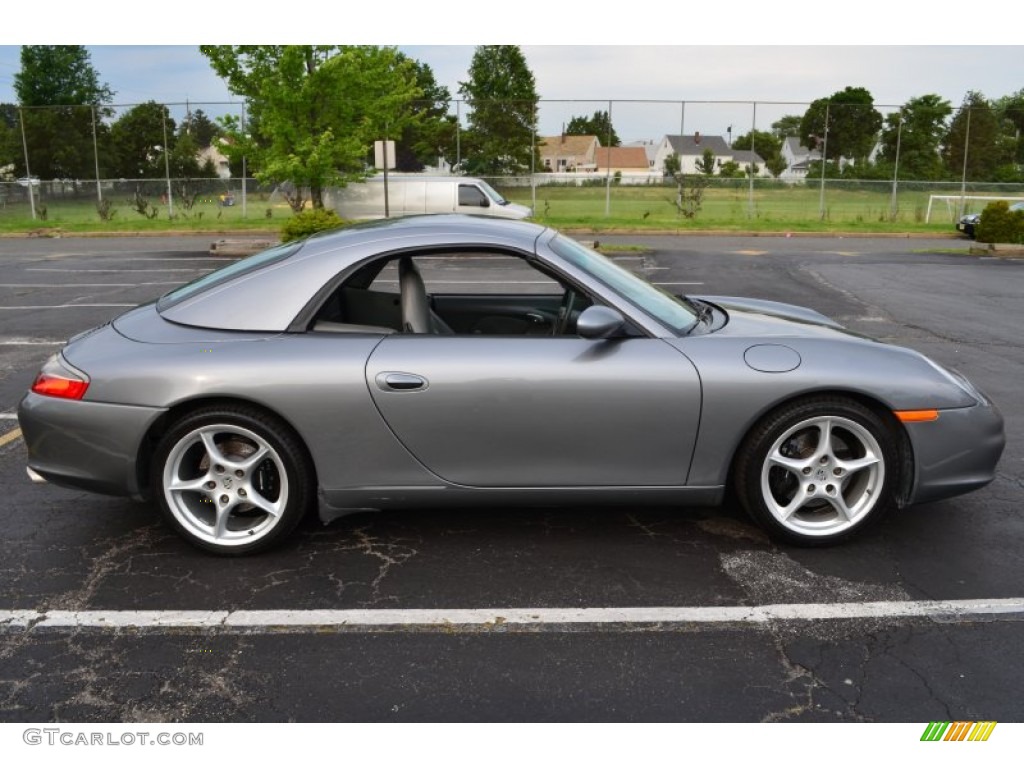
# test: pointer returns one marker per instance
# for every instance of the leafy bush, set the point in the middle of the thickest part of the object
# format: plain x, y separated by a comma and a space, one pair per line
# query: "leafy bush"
999, 224
309, 222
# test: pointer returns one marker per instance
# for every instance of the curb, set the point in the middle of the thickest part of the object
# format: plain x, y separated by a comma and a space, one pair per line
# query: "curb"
998, 250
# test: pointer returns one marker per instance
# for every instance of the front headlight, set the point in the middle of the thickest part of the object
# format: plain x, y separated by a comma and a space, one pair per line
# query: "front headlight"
961, 381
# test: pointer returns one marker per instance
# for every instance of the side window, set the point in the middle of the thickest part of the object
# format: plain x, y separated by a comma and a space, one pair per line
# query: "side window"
462, 293
494, 294
472, 196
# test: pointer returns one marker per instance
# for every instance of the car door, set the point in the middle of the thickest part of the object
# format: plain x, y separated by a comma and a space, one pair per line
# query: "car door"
533, 411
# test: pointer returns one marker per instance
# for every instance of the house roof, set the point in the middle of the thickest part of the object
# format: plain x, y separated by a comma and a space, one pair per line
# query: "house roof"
621, 157
796, 149
695, 144
746, 156
574, 146
649, 146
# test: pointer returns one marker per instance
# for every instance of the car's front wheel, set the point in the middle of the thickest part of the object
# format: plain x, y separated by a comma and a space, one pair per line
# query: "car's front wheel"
817, 470
231, 480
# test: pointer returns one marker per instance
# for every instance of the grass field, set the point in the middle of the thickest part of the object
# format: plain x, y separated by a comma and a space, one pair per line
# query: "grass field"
796, 208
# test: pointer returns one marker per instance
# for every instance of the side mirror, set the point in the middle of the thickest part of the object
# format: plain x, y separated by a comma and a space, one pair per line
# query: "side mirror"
599, 322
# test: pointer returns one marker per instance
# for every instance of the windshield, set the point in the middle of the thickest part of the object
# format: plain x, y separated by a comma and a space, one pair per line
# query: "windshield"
229, 272
492, 193
669, 310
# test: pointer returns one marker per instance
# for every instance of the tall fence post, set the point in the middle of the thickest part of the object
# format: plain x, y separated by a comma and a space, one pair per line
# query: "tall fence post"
824, 160
753, 133
28, 171
533, 163
96, 158
245, 197
963, 174
458, 134
167, 169
893, 206
608, 168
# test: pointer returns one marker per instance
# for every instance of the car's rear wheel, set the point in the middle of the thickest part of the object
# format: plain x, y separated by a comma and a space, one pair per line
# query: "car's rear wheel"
231, 480
817, 470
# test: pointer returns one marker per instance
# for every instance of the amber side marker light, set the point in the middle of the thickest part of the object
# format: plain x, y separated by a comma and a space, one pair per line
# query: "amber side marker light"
910, 416
59, 386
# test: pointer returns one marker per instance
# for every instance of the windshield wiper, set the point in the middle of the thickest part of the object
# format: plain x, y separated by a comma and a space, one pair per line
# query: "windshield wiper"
704, 311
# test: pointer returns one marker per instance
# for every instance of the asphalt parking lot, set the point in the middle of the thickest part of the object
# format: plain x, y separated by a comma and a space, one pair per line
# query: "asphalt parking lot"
64, 550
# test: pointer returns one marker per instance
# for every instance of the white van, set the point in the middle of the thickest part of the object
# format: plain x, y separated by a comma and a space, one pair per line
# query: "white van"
409, 195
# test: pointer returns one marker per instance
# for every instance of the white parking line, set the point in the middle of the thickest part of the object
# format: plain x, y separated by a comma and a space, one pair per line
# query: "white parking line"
443, 281
84, 285
112, 269
484, 618
30, 343
68, 306
175, 258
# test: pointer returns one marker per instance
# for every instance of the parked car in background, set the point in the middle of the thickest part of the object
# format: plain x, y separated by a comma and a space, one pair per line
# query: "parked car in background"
412, 195
969, 222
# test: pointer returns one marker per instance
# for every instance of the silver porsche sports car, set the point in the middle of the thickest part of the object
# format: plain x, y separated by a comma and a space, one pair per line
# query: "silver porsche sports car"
326, 373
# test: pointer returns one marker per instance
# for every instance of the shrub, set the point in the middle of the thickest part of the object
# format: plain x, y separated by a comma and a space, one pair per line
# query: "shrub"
309, 222
998, 224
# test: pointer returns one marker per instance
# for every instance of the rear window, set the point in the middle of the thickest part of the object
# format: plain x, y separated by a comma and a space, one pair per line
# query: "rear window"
230, 272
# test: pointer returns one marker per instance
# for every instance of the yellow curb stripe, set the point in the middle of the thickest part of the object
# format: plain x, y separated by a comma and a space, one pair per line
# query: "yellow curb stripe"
10, 437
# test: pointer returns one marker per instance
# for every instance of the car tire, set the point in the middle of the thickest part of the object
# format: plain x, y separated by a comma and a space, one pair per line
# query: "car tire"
816, 471
232, 480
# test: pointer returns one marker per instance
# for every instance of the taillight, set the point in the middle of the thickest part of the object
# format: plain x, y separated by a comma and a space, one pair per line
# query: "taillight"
57, 385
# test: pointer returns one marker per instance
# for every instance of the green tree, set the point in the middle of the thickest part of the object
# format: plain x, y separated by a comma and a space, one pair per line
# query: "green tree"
599, 125
730, 170
918, 128
673, 165
314, 110
767, 145
430, 132
137, 141
10, 137
786, 126
502, 96
706, 163
184, 160
776, 165
200, 127
975, 129
852, 125
1011, 110
59, 87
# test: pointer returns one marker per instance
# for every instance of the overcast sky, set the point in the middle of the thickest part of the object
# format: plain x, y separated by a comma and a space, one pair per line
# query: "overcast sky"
623, 61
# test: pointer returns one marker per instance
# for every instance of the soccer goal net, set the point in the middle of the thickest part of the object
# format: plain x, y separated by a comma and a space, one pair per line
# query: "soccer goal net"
958, 205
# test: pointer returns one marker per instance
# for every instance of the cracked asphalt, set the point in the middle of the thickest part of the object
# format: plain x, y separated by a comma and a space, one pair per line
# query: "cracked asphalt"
63, 549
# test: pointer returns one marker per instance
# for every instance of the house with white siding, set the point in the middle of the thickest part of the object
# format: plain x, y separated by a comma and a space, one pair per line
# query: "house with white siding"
692, 148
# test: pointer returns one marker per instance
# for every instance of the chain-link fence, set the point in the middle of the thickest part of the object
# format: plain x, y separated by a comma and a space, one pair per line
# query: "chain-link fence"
884, 164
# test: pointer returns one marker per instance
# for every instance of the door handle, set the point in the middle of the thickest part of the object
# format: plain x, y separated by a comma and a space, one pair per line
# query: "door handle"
395, 381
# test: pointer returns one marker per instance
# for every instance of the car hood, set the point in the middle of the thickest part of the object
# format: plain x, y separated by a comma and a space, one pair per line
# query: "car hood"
760, 318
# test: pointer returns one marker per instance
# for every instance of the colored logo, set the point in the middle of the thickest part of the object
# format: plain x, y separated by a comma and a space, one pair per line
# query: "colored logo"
959, 731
